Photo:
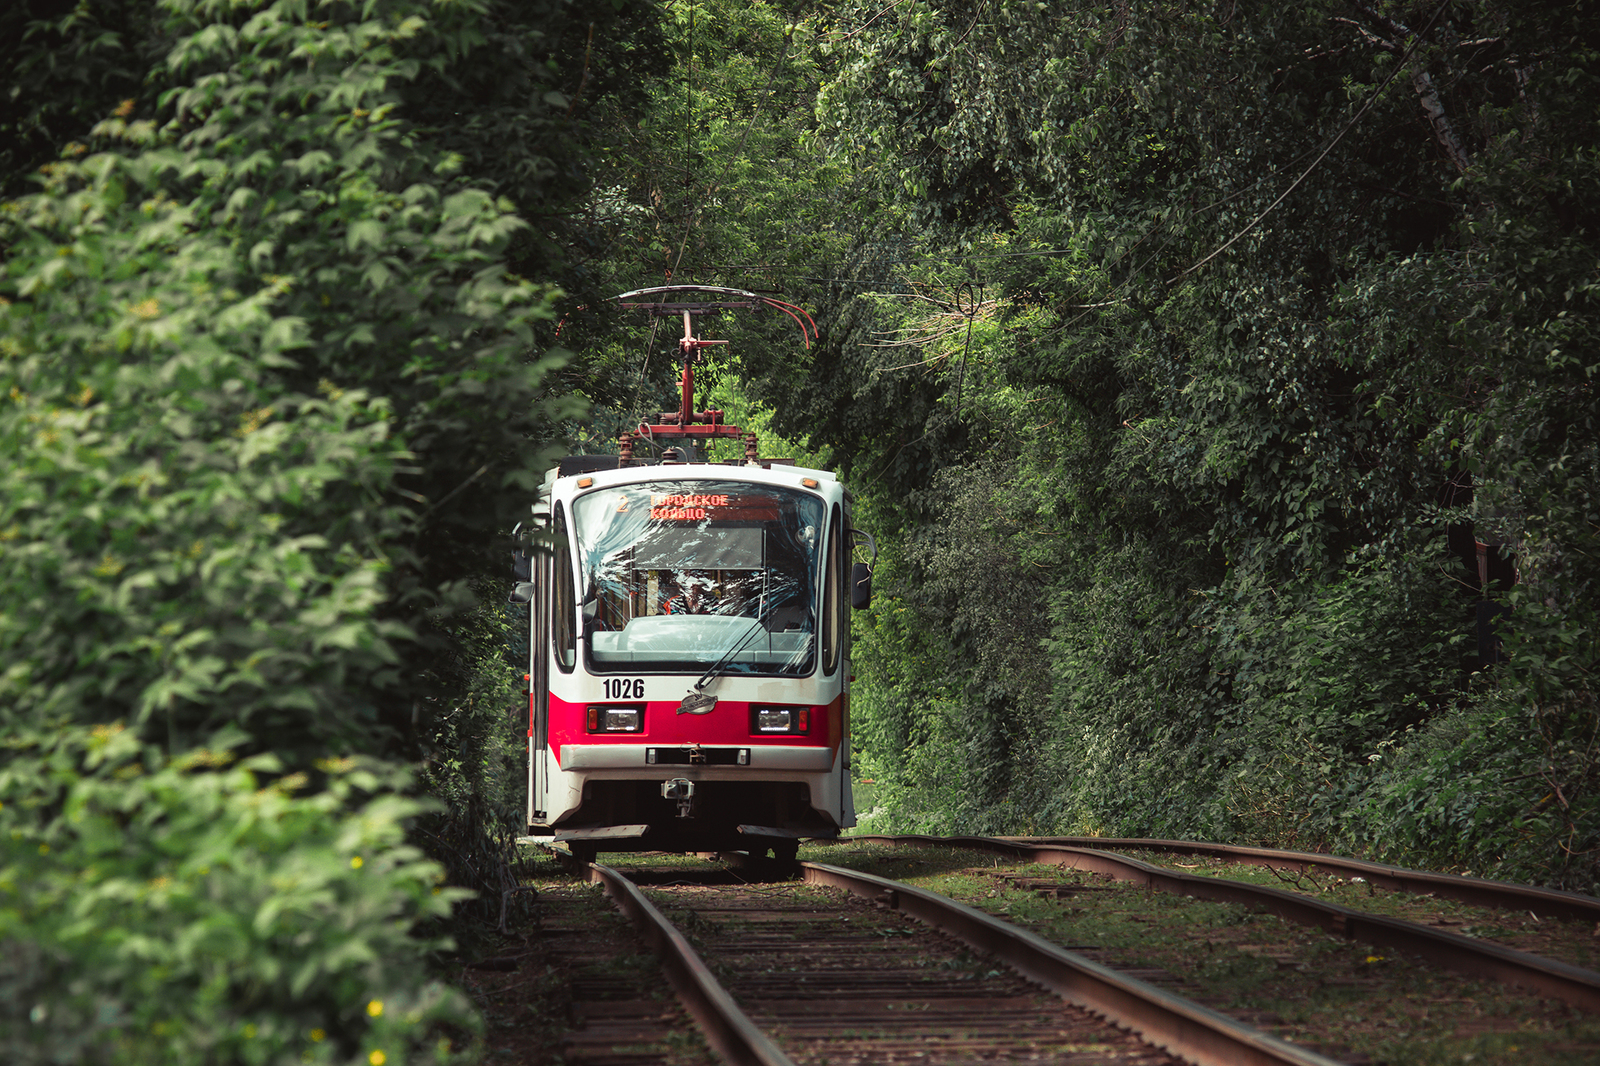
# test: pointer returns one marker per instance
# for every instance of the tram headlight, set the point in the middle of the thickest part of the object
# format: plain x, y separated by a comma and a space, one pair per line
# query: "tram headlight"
789, 720
615, 719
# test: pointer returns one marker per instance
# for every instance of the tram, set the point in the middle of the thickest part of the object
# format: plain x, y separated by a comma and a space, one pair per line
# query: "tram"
689, 636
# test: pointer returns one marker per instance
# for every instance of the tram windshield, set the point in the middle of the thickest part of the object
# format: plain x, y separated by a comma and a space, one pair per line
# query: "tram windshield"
677, 575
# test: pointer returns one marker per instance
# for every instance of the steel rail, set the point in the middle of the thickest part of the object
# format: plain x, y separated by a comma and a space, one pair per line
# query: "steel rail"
728, 1029
1186, 1029
1570, 984
1475, 891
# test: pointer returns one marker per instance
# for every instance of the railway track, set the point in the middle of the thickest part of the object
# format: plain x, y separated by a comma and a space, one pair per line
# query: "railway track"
1476, 891
1473, 957
816, 977
827, 967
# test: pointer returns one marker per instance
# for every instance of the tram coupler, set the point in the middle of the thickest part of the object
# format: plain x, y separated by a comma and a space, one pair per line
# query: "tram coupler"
682, 790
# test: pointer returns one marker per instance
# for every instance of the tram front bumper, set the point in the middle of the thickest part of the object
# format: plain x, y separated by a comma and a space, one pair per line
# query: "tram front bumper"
741, 758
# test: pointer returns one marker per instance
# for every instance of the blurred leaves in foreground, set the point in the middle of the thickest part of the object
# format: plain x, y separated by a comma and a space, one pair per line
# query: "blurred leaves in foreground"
269, 394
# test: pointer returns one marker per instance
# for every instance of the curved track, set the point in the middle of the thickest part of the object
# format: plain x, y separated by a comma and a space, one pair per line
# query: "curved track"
1571, 984
1476, 891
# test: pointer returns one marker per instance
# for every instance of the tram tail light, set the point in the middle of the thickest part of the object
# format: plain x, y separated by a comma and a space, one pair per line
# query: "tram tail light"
615, 719
780, 720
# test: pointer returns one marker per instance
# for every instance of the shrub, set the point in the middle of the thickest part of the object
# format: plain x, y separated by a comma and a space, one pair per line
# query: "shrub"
267, 390
208, 908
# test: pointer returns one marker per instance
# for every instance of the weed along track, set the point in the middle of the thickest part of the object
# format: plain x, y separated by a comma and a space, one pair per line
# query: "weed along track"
579, 989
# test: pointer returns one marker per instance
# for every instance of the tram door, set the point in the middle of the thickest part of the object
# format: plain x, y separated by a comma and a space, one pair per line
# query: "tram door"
538, 673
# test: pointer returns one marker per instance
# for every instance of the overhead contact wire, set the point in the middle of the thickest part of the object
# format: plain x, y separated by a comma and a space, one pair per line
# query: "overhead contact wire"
694, 215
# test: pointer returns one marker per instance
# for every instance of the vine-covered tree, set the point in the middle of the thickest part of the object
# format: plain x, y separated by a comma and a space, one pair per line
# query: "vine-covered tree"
1291, 303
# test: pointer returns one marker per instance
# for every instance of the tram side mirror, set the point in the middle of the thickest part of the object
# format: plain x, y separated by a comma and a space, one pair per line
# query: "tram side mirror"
521, 568
861, 571
521, 564
860, 586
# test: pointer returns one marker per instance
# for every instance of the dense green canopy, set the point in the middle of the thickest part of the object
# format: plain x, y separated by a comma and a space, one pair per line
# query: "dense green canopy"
1212, 337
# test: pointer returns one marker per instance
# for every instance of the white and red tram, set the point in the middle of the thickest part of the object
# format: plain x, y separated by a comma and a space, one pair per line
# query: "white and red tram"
689, 652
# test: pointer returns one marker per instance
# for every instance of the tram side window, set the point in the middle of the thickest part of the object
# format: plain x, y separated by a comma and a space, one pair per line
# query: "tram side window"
832, 601
562, 629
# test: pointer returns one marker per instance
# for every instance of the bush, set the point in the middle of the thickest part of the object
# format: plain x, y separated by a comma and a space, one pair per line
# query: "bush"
267, 394
207, 908
477, 762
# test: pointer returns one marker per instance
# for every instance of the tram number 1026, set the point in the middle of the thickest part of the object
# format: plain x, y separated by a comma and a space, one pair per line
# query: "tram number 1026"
624, 688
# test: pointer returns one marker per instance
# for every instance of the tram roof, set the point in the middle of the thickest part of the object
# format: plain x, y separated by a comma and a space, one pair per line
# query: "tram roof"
768, 472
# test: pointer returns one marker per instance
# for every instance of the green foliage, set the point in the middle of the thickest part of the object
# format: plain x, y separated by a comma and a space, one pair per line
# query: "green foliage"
902, 717
146, 299
66, 64
398, 258
188, 545
1262, 333
1479, 788
533, 111
715, 182
208, 908
476, 763
269, 394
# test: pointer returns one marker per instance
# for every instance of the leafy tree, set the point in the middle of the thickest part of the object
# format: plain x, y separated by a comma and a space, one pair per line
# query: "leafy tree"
207, 908
268, 392
1260, 274
182, 244
67, 64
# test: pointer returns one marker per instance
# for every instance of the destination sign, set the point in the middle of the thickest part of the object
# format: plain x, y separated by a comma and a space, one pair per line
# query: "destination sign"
717, 507
686, 507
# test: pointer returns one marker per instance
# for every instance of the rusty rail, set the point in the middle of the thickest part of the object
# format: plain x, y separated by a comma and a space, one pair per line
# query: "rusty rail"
728, 1029
1570, 984
1476, 891
1185, 1029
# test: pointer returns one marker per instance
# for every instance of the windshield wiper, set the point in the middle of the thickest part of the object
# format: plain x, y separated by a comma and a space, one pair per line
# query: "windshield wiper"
701, 702
698, 701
